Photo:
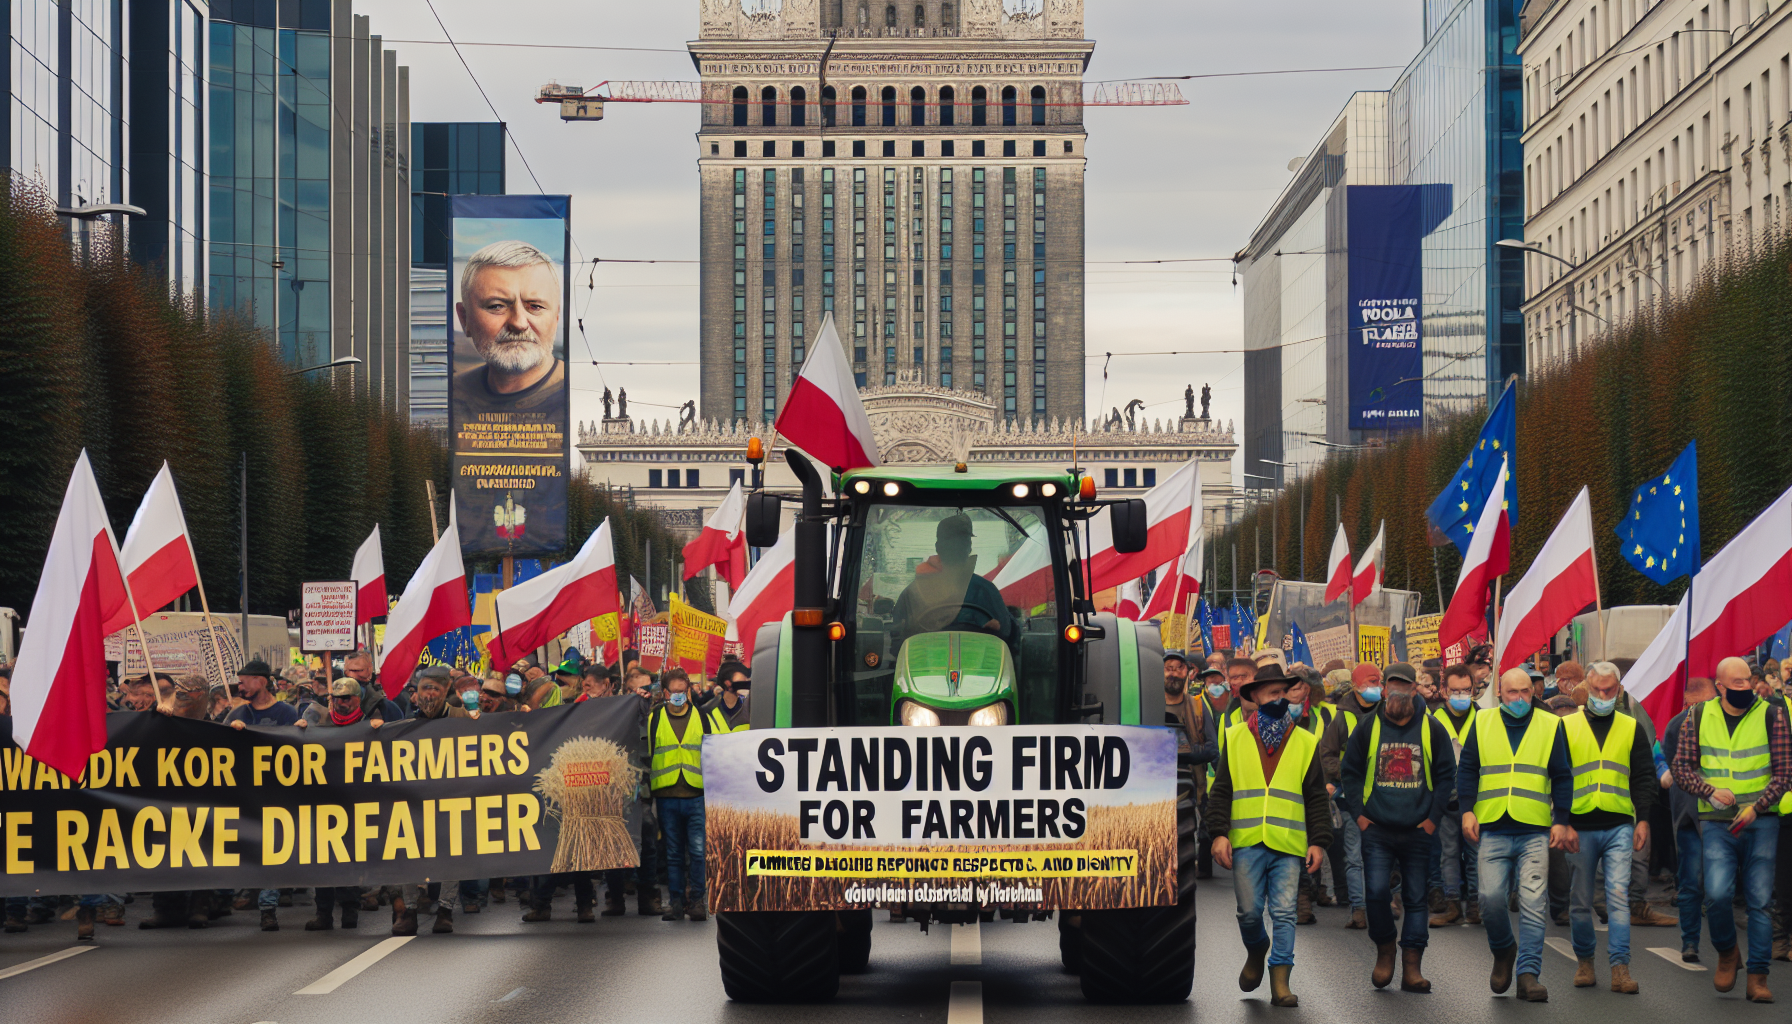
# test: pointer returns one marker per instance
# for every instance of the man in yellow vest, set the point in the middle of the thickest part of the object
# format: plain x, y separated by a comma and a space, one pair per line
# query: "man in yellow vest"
1515, 775
1456, 857
1613, 759
1735, 757
1398, 774
675, 773
1269, 818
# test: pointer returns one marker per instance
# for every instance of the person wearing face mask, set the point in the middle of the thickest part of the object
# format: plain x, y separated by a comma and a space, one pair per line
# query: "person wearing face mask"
1353, 708
1195, 744
1314, 717
1456, 855
1514, 769
1212, 695
1395, 780
1689, 867
1270, 821
675, 753
1215, 691
1735, 757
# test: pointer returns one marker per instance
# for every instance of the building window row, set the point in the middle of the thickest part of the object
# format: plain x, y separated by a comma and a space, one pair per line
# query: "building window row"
798, 149
670, 478
1008, 107
1112, 477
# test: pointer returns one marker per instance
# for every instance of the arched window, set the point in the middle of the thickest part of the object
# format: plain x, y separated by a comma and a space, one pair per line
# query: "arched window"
740, 106
827, 105
799, 97
1008, 106
1039, 104
768, 106
858, 106
979, 106
917, 106
946, 96
890, 16
920, 16
889, 105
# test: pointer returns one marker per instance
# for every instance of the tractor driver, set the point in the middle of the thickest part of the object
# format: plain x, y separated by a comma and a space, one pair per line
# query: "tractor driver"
947, 593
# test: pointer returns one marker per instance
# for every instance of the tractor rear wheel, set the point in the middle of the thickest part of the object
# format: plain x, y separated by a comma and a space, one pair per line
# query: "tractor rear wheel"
1070, 943
779, 957
855, 941
1146, 954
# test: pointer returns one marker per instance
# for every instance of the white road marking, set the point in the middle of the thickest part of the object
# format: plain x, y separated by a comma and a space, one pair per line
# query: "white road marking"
45, 961
1672, 956
1562, 946
347, 972
967, 947
512, 994
966, 1004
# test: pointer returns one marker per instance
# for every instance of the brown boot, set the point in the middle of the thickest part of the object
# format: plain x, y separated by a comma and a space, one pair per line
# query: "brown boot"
1303, 909
444, 922
1503, 959
1646, 916
1757, 989
1358, 919
1583, 974
1728, 960
1531, 990
1252, 975
1411, 978
84, 917
614, 906
1450, 914
1384, 964
404, 917
1279, 992
112, 914
1622, 981
647, 904
1471, 913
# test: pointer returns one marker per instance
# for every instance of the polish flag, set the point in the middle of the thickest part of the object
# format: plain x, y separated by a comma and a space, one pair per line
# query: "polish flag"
433, 603
722, 543
767, 593
1489, 556
1171, 524
1365, 579
1741, 596
1337, 570
822, 415
541, 609
59, 680
1174, 592
369, 574
1025, 577
1561, 581
157, 554
1127, 600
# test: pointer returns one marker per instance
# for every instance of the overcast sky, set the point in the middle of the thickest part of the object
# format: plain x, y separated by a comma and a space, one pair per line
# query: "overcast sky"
1163, 183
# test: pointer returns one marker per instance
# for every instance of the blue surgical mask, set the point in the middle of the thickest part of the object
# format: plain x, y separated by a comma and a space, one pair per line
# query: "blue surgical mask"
1217, 690
1460, 704
1517, 708
470, 699
1370, 694
676, 699
513, 684
1601, 706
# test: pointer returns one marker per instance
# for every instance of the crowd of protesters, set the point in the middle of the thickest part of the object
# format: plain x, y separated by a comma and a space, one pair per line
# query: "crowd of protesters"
670, 799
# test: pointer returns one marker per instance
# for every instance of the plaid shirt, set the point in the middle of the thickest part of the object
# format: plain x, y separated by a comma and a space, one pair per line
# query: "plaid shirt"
1779, 748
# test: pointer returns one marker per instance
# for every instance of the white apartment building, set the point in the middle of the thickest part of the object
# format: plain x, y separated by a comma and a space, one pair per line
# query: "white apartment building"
1656, 139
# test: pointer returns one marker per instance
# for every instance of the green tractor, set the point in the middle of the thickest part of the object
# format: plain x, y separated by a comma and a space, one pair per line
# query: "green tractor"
958, 597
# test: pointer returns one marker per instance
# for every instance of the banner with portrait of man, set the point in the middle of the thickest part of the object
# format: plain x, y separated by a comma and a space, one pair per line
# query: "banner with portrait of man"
508, 402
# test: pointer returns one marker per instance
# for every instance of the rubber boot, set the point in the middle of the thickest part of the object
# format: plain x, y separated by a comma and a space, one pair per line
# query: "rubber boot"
84, 931
1583, 973
199, 906
1412, 979
647, 904
444, 921
1503, 960
615, 905
1252, 975
1450, 914
1279, 992
1359, 919
1384, 964
539, 912
1622, 981
1471, 913
1303, 906
674, 910
270, 922
1757, 989
404, 917
1531, 990
1728, 960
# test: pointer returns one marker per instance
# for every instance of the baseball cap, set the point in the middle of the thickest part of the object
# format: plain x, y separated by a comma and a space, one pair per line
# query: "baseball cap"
256, 667
345, 688
1402, 672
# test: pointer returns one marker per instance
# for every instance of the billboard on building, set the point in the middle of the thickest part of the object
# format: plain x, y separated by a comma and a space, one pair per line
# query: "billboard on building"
1384, 304
508, 403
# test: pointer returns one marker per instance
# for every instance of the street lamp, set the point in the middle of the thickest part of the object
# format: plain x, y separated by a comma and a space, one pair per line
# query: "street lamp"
338, 361
86, 215
1567, 285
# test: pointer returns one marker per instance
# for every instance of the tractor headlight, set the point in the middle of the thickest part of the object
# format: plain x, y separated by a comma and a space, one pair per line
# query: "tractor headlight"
990, 714
918, 714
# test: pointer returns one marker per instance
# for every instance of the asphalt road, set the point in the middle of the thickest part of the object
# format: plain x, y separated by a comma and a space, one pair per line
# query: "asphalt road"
496, 969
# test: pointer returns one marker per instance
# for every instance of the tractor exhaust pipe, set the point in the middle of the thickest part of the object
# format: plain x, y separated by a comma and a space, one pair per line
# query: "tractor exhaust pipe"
809, 639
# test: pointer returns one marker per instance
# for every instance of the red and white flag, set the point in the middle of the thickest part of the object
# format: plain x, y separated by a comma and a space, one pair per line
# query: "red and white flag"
369, 574
1337, 569
722, 543
1739, 598
1171, 525
1127, 600
767, 593
541, 609
157, 554
1365, 579
1489, 556
433, 603
1175, 591
1561, 581
59, 680
823, 415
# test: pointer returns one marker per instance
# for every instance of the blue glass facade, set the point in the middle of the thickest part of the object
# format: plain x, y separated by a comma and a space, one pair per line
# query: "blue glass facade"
167, 138
450, 158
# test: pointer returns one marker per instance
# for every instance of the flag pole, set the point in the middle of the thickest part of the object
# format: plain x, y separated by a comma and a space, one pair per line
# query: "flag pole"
205, 606
1497, 580
1598, 602
136, 624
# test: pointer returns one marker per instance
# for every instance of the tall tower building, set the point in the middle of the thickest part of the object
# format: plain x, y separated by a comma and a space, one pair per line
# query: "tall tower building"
914, 168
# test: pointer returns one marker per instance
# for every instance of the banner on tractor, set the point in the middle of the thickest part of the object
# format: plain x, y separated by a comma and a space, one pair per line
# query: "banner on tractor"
177, 804
1034, 817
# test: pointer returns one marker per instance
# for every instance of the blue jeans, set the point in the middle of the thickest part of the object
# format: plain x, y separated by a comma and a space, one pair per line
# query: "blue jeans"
1609, 848
1689, 884
1458, 858
1266, 880
1748, 857
1353, 860
1410, 849
681, 820
1521, 857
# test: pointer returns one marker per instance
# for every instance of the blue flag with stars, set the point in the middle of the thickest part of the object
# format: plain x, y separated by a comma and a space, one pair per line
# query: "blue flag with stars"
1454, 512
1204, 621
1660, 529
1295, 644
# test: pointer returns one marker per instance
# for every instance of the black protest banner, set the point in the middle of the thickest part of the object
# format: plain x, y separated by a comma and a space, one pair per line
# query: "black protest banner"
177, 804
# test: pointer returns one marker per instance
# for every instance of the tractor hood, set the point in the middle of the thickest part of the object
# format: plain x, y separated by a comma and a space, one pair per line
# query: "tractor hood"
954, 670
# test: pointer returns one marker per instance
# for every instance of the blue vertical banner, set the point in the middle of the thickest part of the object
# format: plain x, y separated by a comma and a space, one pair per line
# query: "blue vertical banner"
1384, 293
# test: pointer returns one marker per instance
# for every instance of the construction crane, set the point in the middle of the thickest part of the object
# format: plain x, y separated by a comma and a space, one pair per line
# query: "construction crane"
578, 104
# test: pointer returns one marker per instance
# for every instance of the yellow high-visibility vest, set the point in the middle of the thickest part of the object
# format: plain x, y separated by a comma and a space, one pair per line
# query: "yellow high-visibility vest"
1514, 783
673, 758
1737, 761
1269, 812
1459, 735
1601, 774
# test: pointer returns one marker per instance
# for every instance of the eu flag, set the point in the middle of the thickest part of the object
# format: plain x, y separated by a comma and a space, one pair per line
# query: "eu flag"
1454, 512
1296, 645
1204, 617
1660, 530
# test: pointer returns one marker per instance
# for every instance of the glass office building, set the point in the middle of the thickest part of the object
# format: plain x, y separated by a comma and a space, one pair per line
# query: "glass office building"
67, 126
167, 138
